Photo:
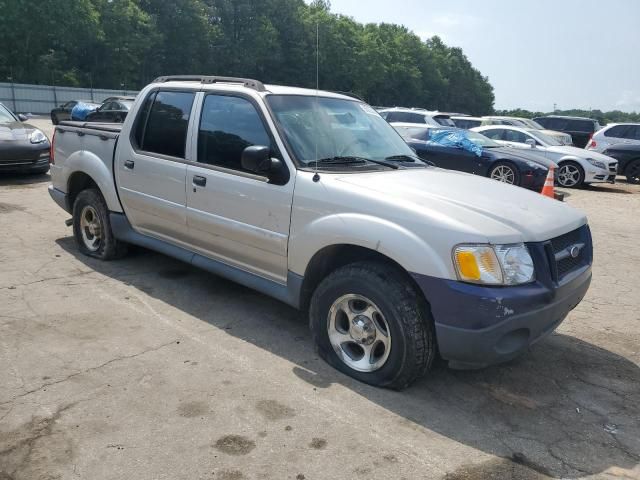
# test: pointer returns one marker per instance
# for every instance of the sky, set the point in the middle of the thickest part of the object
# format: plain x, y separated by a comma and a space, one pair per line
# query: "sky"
537, 53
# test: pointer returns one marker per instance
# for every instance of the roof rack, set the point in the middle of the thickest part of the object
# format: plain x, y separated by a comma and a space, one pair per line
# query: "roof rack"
247, 82
349, 94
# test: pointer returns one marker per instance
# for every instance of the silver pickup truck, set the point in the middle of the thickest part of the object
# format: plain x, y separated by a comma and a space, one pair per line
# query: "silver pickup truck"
312, 198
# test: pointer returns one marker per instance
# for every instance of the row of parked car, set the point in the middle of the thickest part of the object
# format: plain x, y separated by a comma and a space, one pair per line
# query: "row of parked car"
112, 109
580, 150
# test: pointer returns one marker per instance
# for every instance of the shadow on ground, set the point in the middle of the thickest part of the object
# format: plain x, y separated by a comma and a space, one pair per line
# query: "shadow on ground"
565, 410
20, 180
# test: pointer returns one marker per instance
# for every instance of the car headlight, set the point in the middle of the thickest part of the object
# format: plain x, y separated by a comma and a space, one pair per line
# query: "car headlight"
494, 264
37, 137
597, 163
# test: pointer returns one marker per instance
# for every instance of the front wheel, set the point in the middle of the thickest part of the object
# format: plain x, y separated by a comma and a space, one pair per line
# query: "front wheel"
570, 175
505, 173
54, 119
92, 229
370, 323
632, 172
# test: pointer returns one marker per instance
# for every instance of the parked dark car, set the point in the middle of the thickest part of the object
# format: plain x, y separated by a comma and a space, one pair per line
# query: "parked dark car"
628, 156
113, 110
581, 129
63, 112
23, 147
497, 162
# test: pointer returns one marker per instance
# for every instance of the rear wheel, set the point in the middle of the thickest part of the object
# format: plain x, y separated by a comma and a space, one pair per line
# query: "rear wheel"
570, 175
369, 322
505, 173
632, 172
92, 229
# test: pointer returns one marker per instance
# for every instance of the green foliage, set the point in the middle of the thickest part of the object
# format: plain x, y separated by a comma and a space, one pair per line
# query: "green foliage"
116, 43
614, 116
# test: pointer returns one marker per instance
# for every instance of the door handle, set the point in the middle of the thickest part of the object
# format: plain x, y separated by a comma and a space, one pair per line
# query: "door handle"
199, 181
129, 164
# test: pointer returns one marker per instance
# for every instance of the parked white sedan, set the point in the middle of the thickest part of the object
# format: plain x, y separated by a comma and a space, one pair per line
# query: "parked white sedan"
576, 165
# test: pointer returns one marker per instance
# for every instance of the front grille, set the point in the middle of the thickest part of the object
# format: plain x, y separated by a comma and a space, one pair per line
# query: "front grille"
561, 246
613, 167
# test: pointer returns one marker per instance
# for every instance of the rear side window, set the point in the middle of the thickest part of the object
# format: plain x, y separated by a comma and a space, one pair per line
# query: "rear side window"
586, 126
494, 133
164, 130
229, 125
620, 131
515, 136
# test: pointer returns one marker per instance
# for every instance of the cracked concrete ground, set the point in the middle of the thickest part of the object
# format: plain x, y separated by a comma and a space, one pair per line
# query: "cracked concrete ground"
147, 368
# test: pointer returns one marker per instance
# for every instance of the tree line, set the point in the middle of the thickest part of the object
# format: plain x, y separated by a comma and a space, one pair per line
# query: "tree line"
603, 118
124, 44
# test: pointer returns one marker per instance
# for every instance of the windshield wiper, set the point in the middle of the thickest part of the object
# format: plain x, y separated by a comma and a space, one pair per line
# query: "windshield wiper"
349, 160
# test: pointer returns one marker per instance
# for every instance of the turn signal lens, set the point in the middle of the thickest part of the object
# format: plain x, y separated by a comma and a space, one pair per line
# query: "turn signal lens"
477, 264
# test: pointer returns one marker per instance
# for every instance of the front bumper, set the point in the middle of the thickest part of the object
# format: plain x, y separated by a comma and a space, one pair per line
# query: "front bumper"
534, 181
478, 325
599, 175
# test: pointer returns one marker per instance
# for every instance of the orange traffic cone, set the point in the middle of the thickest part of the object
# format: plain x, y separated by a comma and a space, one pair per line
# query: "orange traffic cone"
547, 190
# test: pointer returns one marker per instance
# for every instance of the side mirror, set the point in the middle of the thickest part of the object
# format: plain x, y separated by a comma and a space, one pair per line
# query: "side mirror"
531, 142
257, 159
22, 118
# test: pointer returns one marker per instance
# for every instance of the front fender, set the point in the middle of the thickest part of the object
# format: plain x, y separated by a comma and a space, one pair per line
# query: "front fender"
87, 162
390, 239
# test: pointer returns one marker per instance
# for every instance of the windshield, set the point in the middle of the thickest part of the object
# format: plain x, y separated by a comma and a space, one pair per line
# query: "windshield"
127, 104
480, 139
5, 115
334, 127
544, 138
532, 124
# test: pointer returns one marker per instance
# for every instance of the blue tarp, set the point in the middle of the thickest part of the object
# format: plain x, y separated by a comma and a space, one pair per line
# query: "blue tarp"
81, 110
455, 139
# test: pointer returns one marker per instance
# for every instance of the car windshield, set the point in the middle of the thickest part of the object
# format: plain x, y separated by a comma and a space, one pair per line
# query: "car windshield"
320, 128
480, 139
544, 138
127, 104
5, 115
531, 123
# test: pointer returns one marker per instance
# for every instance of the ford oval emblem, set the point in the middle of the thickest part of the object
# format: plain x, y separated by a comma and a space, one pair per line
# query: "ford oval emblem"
575, 251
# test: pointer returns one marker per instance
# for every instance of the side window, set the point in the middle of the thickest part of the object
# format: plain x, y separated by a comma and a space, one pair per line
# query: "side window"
70, 104
141, 120
515, 136
636, 132
165, 131
228, 125
494, 133
620, 131
393, 117
384, 114
416, 118
580, 126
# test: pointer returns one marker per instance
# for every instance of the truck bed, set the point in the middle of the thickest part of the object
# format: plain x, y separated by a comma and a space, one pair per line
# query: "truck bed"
100, 127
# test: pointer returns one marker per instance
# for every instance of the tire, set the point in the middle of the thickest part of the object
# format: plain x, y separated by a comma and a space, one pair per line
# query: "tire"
570, 175
390, 303
54, 119
92, 229
632, 172
505, 172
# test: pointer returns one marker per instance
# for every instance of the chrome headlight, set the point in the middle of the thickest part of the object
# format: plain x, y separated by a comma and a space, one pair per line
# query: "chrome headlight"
494, 264
597, 163
37, 137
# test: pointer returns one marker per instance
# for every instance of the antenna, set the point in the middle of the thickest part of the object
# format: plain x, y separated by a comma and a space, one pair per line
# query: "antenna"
316, 177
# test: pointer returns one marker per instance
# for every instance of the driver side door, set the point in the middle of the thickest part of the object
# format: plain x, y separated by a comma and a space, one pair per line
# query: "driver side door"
233, 215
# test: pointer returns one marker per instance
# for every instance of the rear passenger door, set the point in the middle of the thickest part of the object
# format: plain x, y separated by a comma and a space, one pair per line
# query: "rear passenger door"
152, 166
233, 215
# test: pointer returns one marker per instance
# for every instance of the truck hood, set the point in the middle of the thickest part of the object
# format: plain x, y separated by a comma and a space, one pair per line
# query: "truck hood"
494, 212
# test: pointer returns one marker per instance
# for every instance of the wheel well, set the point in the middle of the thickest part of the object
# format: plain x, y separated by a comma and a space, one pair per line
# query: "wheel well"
78, 182
329, 259
629, 163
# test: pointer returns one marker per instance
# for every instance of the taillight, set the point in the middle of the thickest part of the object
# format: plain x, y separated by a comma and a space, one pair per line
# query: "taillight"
52, 149
592, 143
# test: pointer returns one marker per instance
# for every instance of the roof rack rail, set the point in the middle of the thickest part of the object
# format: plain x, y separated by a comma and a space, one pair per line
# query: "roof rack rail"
247, 82
350, 94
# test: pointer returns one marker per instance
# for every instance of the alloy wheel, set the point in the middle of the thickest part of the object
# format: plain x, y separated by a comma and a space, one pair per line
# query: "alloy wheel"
91, 228
359, 333
504, 173
568, 175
